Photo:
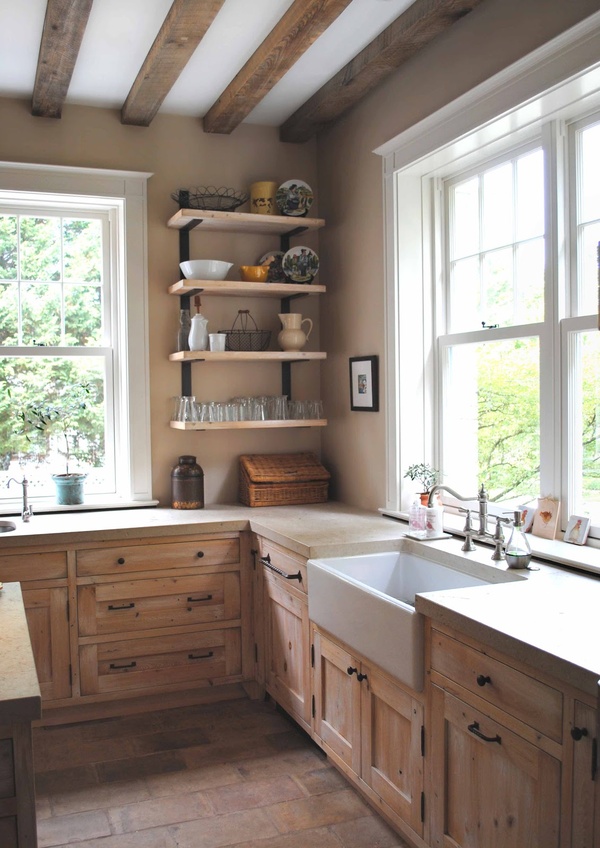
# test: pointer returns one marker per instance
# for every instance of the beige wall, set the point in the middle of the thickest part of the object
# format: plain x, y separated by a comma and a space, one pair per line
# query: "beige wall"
348, 186
179, 154
490, 38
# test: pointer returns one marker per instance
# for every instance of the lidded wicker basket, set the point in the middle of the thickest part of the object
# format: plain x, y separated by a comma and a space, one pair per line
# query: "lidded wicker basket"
282, 479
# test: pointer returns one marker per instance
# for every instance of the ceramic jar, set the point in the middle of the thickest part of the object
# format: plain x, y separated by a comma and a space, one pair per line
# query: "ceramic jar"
187, 484
198, 338
292, 336
262, 198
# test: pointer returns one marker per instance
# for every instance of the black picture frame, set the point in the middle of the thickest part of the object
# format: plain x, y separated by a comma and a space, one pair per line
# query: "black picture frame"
364, 383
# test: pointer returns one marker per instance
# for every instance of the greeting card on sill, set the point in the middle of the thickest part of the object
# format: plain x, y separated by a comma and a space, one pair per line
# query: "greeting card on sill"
577, 530
545, 520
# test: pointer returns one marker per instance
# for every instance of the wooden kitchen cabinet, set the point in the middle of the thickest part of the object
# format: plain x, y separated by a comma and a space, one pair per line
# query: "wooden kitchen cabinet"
495, 766
371, 727
284, 629
43, 578
585, 795
162, 616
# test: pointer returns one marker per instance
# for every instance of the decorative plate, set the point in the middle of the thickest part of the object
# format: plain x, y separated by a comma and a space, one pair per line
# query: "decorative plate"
294, 198
273, 259
300, 264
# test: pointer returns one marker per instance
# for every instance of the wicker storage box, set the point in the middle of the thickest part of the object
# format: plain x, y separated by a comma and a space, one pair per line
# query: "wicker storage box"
280, 479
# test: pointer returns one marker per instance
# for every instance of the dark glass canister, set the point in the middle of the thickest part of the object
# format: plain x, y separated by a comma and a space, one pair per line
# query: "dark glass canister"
187, 484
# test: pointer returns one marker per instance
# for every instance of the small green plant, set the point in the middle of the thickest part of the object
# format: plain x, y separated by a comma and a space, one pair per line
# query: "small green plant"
60, 418
424, 474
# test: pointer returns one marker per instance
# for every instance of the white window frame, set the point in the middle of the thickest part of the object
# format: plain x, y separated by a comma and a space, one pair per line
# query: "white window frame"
555, 82
123, 195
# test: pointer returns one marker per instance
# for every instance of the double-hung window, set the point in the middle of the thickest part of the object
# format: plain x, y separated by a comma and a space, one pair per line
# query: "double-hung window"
73, 335
492, 304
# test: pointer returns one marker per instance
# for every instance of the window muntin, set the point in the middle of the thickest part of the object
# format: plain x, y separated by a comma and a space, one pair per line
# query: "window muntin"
496, 245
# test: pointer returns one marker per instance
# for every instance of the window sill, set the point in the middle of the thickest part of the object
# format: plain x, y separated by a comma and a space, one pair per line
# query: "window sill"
91, 504
583, 557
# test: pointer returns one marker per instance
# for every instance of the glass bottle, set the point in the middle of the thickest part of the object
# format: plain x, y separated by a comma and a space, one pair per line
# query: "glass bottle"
185, 325
518, 552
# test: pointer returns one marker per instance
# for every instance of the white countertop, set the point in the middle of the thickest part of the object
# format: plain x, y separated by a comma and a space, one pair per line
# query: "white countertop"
548, 620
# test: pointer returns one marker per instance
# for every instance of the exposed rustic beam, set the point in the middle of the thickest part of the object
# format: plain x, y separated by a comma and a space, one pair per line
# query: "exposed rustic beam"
301, 25
411, 31
64, 25
182, 31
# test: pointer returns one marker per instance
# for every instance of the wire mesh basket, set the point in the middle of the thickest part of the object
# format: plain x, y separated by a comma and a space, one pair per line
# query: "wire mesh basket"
209, 197
245, 335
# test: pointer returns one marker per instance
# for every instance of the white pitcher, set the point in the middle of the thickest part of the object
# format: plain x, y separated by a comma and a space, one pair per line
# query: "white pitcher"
199, 333
292, 336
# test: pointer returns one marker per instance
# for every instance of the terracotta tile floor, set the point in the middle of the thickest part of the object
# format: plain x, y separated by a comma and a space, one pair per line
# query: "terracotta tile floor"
237, 773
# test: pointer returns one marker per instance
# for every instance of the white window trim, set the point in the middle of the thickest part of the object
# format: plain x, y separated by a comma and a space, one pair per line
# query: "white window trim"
130, 315
559, 78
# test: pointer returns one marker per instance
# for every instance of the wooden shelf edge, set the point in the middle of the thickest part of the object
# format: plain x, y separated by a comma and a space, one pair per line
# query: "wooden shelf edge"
243, 221
237, 288
248, 425
246, 356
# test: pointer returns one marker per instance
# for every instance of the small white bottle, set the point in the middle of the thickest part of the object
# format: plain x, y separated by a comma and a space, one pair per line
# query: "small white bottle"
199, 333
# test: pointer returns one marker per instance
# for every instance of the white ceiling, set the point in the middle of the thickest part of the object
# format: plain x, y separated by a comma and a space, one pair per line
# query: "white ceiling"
120, 33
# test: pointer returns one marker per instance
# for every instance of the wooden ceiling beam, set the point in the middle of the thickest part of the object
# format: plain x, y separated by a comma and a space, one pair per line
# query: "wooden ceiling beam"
64, 26
411, 31
182, 31
301, 25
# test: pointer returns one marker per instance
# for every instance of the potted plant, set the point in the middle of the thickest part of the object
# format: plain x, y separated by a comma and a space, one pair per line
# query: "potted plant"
59, 419
426, 475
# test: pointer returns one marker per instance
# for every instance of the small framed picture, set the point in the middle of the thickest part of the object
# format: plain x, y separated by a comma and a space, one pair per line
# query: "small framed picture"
545, 520
364, 384
577, 530
527, 513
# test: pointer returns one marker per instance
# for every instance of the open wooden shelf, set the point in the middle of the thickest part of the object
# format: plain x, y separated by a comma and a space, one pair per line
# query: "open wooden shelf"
245, 356
242, 222
240, 288
248, 425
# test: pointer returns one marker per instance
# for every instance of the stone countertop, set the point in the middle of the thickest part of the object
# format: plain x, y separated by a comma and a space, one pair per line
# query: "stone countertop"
547, 619
328, 529
20, 697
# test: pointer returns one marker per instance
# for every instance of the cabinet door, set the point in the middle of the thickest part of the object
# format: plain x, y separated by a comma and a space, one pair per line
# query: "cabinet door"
337, 693
286, 647
585, 781
492, 787
47, 619
392, 756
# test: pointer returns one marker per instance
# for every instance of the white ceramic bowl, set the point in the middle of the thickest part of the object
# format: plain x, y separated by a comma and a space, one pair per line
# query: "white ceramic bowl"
205, 269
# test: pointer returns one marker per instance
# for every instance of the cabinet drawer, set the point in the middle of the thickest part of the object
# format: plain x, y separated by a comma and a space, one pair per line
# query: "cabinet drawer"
527, 699
126, 558
284, 560
134, 605
160, 661
43, 566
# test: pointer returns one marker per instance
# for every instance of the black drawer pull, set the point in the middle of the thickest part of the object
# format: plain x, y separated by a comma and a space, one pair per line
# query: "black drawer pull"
267, 561
121, 561
351, 670
483, 679
474, 728
122, 607
198, 600
360, 677
200, 554
127, 665
201, 656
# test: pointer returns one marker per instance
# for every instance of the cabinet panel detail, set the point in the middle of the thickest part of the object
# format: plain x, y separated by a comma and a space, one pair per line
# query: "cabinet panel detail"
492, 787
33, 566
527, 699
47, 620
126, 558
159, 661
134, 605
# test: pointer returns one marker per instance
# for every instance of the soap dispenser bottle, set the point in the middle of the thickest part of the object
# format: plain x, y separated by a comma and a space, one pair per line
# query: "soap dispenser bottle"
518, 552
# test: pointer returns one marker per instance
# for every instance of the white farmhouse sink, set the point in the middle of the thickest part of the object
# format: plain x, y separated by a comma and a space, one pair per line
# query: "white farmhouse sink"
367, 601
